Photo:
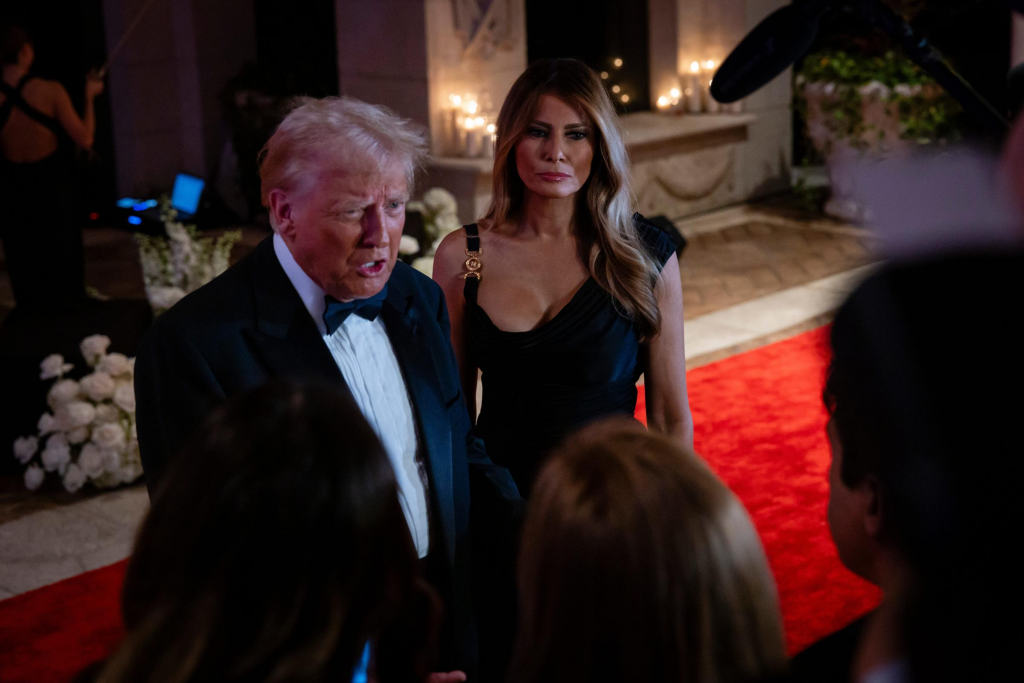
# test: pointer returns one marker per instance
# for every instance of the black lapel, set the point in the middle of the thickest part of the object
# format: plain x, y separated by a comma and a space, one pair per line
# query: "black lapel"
285, 337
410, 345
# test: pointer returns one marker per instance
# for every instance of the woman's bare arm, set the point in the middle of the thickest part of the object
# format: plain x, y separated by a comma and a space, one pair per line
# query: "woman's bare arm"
668, 406
448, 270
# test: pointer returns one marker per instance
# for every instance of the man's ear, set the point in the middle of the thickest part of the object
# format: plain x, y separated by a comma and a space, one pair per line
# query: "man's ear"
281, 213
873, 507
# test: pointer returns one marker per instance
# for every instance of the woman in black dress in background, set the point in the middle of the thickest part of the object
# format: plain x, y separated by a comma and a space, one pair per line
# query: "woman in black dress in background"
572, 297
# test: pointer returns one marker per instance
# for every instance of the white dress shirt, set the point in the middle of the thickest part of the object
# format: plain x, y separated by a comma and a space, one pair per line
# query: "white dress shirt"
367, 361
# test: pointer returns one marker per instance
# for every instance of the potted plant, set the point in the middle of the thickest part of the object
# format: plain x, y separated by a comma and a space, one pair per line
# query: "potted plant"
869, 105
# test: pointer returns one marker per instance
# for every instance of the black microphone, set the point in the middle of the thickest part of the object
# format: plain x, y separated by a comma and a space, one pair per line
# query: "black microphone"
774, 45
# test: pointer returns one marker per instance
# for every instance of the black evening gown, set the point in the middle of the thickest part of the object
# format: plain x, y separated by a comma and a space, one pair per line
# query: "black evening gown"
540, 385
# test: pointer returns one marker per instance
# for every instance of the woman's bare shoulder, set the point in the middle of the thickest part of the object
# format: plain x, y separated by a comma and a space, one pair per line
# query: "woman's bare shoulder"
449, 256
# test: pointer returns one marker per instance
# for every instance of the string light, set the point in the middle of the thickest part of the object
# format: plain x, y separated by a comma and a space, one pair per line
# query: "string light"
604, 75
616, 89
618, 63
625, 98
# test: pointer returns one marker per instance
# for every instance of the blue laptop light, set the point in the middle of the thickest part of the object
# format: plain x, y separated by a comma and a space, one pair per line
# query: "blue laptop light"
187, 191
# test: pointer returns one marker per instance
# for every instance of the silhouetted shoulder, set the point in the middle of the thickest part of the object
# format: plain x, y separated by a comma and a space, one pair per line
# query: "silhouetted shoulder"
659, 244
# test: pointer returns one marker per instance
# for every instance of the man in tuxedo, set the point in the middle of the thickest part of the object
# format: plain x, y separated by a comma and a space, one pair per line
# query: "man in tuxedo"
325, 298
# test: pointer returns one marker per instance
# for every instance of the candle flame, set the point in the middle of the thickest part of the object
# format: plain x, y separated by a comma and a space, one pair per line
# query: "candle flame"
455, 99
491, 128
674, 92
694, 67
710, 64
471, 107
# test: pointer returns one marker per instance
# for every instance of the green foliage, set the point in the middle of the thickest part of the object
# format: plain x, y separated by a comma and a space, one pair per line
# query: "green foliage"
926, 114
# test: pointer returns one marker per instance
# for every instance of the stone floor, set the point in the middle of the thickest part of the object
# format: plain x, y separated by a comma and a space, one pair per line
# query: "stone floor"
751, 275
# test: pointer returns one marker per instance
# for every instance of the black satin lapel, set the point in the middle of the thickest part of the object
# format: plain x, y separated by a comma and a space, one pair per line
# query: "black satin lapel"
424, 388
300, 355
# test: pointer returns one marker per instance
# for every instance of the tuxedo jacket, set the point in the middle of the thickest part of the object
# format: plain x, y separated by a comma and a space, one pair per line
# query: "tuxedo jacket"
249, 325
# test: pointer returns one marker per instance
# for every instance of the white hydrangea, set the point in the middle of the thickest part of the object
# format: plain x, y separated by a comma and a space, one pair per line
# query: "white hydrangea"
63, 391
34, 476
25, 447
57, 454
424, 264
439, 201
74, 478
111, 458
53, 366
124, 397
92, 460
130, 472
107, 413
408, 245
108, 435
75, 414
116, 365
94, 348
446, 223
99, 386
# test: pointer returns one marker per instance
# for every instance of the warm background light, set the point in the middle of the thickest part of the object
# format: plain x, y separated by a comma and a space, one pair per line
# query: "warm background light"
618, 62
604, 75
694, 67
625, 98
616, 89
674, 92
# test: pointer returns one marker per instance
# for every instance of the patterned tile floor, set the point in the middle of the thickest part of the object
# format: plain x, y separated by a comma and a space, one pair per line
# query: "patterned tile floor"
751, 275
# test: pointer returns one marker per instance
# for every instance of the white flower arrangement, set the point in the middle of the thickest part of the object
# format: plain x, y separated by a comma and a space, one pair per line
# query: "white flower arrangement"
440, 216
89, 435
182, 262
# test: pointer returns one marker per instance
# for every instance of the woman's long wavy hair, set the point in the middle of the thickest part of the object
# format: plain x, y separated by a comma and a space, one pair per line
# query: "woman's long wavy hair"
637, 564
275, 549
609, 244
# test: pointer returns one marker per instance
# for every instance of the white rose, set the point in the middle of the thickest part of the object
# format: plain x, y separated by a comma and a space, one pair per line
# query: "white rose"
107, 413
34, 476
112, 458
92, 460
424, 264
108, 435
408, 245
63, 391
57, 454
78, 435
74, 414
115, 364
25, 447
53, 366
47, 423
439, 200
124, 397
164, 297
99, 386
130, 473
74, 478
94, 347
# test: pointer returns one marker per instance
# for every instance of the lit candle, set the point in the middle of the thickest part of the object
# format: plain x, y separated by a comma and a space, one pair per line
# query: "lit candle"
451, 124
693, 89
674, 98
664, 103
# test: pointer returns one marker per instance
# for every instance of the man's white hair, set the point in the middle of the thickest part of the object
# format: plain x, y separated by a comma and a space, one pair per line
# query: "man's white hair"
340, 128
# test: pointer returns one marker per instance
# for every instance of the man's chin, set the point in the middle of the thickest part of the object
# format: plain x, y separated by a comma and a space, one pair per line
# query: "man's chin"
361, 287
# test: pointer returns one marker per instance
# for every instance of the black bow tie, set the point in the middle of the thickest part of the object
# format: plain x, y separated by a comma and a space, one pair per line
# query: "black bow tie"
337, 311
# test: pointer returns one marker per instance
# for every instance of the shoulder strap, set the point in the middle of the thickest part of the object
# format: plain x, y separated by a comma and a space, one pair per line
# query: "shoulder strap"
16, 99
473, 264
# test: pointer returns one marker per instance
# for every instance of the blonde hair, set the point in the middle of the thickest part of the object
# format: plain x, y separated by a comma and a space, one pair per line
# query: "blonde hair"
609, 244
338, 127
638, 564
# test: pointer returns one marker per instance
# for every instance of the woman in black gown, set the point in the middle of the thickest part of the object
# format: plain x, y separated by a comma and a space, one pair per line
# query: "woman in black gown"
570, 297
41, 235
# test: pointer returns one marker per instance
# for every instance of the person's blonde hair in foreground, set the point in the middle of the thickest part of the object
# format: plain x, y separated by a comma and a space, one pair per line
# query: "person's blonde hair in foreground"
638, 564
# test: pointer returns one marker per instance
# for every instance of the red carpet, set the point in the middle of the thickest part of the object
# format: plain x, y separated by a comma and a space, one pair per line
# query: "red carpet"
760, 424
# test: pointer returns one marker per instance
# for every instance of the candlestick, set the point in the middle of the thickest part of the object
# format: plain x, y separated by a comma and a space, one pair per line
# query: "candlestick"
693, 89
489, 141
472, 148
711, 105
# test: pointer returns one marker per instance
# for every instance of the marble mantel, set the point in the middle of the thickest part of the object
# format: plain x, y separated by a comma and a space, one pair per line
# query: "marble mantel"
681, 165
